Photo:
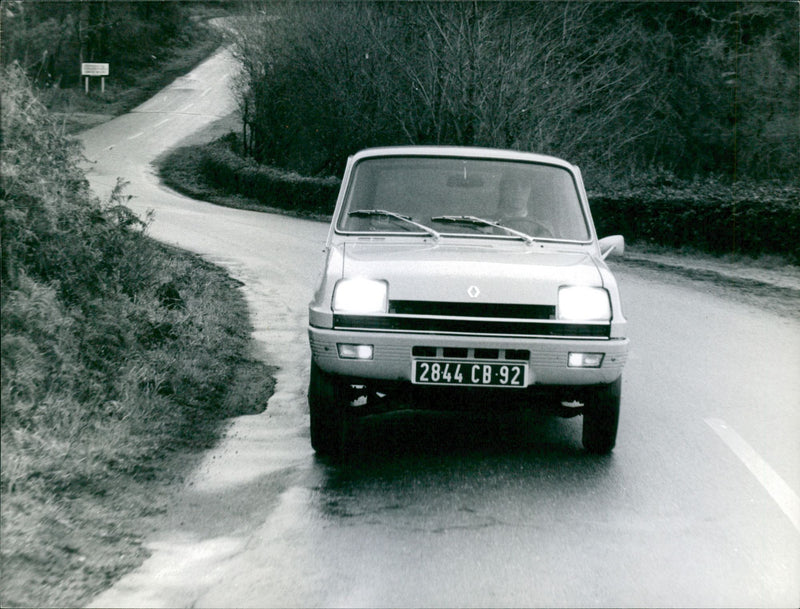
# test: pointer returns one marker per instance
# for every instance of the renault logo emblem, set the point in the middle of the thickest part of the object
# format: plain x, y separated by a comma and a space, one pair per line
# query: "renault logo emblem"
473, 291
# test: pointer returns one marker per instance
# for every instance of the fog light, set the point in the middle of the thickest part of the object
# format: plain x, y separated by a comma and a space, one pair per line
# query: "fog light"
355, 351
585, 360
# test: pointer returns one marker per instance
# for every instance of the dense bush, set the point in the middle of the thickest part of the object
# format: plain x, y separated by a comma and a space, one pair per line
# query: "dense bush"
325, 80
698, 87
225, 169
48, 214
744, 217
89, 304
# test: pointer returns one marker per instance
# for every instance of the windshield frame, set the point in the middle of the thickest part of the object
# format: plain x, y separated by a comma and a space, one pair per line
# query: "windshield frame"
343, 211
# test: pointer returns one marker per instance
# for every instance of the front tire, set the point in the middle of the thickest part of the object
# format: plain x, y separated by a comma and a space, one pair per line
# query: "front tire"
326, 404
601, 418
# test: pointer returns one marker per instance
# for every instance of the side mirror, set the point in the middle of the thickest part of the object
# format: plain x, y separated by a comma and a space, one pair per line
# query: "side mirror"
612, 246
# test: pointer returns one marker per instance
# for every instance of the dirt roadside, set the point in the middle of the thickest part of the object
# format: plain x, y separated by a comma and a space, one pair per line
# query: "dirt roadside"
770, 284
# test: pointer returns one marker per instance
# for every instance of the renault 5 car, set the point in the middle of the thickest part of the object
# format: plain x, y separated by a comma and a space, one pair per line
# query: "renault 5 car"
466, 278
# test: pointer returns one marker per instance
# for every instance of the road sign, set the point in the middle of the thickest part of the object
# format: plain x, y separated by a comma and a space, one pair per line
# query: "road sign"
94, 69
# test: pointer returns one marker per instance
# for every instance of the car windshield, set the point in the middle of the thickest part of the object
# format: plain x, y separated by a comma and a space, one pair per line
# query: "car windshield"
467, 197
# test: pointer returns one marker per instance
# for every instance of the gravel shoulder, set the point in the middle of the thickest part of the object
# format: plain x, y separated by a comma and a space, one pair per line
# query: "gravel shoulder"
770, 273
769, 283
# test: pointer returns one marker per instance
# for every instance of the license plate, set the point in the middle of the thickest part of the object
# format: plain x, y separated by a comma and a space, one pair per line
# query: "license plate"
469, 374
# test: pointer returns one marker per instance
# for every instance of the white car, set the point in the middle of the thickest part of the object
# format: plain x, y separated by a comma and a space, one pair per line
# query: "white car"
464, 277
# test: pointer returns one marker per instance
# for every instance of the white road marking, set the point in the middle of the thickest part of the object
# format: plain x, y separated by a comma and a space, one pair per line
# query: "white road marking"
186, 107
780, 492
135, 135
166, 120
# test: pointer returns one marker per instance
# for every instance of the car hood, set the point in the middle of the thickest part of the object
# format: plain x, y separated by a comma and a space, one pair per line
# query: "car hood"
511, 273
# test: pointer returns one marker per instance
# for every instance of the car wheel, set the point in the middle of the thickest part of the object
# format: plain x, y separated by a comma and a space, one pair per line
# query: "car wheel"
601, 418
326, 404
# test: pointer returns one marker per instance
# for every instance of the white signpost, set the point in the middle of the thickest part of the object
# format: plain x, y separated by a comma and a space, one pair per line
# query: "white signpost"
95, 69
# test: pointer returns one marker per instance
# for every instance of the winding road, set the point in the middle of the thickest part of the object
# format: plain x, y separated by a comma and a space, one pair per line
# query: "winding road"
697, 506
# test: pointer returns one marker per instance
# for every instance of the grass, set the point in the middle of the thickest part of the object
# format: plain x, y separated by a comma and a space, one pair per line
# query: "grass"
84, 478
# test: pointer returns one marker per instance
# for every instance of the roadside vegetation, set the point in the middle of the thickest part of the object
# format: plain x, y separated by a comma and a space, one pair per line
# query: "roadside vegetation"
120, 360
695, 88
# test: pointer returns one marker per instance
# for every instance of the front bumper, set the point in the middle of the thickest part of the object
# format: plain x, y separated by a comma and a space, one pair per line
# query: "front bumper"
393, 354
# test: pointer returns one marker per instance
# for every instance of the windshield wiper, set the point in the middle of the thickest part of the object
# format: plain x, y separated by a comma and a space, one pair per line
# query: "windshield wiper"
483, 222
396, 216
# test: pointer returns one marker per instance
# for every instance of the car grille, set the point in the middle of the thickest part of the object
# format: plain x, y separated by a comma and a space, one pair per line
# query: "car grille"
471, 309
482, 325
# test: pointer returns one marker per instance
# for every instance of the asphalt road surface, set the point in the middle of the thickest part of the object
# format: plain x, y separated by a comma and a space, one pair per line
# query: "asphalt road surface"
697, 506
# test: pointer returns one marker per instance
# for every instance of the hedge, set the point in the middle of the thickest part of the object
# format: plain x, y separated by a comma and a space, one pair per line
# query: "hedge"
226, 170
744, 218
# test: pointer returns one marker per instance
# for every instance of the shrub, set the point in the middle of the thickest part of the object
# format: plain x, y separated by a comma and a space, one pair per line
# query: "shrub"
54, 229
701, 87
744, 217
224, 169
43, 193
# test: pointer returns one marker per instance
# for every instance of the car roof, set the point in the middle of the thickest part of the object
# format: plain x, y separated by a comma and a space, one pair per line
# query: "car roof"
461, 152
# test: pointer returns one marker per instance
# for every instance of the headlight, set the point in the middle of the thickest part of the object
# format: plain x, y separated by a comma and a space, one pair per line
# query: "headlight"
582, 303
361, 296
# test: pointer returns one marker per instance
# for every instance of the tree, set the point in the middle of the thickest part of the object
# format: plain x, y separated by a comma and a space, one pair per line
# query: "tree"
614, 87
51, 39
